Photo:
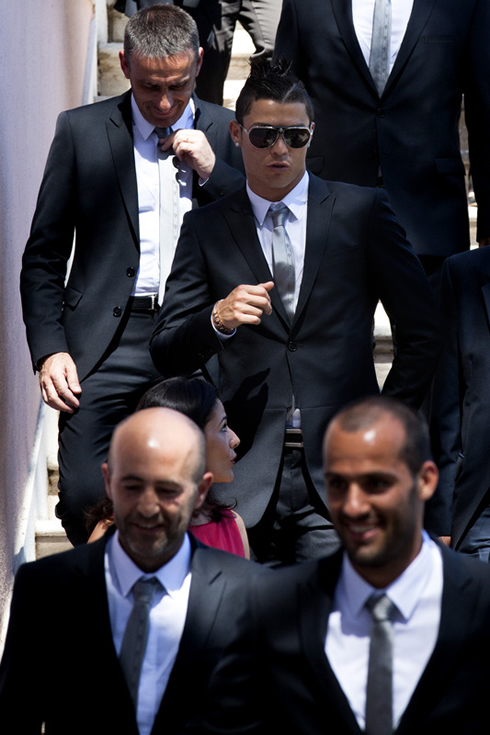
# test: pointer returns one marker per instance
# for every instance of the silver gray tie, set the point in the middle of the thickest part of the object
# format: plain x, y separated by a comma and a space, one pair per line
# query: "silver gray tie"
283, 257
379, 58
136, 634
379, 690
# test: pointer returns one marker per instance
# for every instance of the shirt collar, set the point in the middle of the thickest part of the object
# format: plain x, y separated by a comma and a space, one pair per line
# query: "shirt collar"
171, 576
295, 201
404, 592
145, 128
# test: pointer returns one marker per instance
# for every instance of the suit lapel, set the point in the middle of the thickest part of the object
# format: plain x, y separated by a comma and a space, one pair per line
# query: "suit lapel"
343, 15
485, 292
240, 219
342, 10
207, 587
320, 204
203, 121
91, 571
458, 604
90, 568
420, 15
315, 599
120, 134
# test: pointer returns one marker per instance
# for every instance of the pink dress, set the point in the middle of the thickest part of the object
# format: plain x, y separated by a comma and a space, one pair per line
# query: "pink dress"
223, 534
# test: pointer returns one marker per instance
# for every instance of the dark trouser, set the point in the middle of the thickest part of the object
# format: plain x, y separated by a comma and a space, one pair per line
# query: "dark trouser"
216, 21
109, 394
295, 526
477, 541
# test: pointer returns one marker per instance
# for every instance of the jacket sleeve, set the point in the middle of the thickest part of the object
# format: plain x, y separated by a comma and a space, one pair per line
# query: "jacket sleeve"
184, 338
445, 413
477, 112
407, 297
45, 259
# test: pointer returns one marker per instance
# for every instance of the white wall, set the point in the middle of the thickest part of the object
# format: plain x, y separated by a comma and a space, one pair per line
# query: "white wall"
44, 50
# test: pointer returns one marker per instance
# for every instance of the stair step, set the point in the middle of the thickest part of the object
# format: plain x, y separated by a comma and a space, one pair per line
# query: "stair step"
111, 79
50, 538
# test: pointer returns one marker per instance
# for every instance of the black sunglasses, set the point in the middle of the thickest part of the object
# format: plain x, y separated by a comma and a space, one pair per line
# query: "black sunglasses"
264, 136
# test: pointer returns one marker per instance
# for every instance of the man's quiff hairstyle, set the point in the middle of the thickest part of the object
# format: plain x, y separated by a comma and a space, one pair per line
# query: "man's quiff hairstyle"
272, 80
363, 414
160, 31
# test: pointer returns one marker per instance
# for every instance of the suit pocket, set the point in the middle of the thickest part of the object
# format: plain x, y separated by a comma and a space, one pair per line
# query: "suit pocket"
450, 166
71, 297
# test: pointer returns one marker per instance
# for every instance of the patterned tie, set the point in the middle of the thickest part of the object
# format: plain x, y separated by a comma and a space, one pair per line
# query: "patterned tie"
379, 690
283, 258
163, 132
169, 208
136, 634
379, 59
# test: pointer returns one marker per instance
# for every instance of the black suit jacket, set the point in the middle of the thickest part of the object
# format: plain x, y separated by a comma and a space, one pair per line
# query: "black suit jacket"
460, 418
277, 678
355, 254
59, 655
89, 187
412, 130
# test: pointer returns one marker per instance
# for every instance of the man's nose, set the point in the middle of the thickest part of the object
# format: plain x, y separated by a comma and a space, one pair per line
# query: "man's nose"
280, 147
166, 101
148, 502
355, 501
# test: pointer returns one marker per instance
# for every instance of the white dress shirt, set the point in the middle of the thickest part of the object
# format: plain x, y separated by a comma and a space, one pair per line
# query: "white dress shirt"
167, 619
362, 15
417, 594
145, 140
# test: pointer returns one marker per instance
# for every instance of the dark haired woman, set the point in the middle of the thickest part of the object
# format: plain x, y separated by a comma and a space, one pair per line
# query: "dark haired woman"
214, 524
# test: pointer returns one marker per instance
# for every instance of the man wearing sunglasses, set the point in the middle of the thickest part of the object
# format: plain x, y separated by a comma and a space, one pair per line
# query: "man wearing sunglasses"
286, 302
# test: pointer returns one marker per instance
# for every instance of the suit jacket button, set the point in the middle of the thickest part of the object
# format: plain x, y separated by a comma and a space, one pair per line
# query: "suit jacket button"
380, 112
130, 272
292, 346
117, 311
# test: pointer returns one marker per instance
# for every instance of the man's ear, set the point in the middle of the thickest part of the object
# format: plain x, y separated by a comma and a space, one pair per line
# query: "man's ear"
107, 479
428, 477
200, 57
124, 64
203, 489
312, 128
236, 133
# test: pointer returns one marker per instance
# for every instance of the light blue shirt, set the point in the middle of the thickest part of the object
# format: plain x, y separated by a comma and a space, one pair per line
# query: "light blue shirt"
167, 619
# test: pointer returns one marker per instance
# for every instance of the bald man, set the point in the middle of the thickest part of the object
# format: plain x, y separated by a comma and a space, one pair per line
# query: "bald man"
83, 599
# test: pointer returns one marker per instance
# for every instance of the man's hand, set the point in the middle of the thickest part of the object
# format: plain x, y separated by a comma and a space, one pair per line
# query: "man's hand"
58, 379
483, 242
192, 147
446, 540
245, 305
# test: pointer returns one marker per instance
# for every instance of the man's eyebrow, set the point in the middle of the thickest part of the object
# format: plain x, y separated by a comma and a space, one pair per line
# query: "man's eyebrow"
129, 476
